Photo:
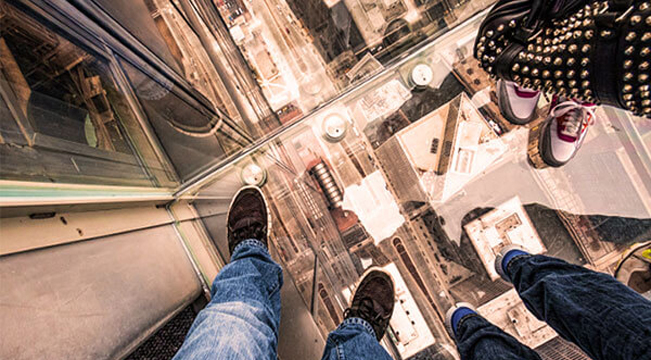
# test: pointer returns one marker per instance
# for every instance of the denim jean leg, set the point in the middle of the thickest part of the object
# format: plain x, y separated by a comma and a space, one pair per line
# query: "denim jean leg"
478, 339
605, 318
241, 321
354, 339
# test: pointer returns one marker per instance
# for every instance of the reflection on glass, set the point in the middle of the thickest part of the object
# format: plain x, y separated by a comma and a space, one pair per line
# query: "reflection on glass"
134, 16
304, 52
192, 135
429, 182
189, 54
162, 27
63, 117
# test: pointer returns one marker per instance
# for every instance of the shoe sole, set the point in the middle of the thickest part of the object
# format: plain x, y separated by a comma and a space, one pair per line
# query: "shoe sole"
264, 200
450, 312
505, 108
544, 146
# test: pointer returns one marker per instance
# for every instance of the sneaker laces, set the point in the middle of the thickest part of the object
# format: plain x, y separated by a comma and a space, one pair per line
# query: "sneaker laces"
366, 310
573, 116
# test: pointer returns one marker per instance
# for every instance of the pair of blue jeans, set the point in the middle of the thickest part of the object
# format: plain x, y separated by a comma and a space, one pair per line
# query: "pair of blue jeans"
606, 319
241, 321
603, 317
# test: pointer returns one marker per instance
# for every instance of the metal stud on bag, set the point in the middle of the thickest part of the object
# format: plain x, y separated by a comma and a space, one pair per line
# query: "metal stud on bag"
565, 55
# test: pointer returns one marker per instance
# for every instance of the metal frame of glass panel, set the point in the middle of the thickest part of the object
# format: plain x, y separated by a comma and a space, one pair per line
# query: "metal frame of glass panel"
89, 32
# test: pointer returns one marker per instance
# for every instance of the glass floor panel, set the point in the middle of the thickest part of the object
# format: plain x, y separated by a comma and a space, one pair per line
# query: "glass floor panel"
429, 182
305, 52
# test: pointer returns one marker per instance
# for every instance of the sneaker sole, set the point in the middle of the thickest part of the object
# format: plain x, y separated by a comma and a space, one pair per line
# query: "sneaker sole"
264, 200
505, 108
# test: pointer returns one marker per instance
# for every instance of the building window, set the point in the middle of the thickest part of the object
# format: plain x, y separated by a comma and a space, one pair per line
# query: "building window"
435, 146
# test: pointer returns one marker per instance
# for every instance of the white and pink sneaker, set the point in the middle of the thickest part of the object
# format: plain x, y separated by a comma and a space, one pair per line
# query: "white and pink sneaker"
564, 130
517, 104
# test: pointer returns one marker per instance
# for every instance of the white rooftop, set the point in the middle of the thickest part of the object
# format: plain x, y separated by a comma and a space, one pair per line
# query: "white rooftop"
407, 322
474, 148
509, 313
505, 225
375, 206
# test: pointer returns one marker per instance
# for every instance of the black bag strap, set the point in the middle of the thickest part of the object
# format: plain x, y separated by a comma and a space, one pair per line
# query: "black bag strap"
534, 21
615, 11
621, 4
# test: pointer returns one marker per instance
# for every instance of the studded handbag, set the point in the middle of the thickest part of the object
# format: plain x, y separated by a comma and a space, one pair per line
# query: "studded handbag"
593, 51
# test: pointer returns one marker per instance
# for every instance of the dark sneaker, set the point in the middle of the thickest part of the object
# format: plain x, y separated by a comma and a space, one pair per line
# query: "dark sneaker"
373, 301
504, 256
248, 217
518, 105
564, 131
454, 316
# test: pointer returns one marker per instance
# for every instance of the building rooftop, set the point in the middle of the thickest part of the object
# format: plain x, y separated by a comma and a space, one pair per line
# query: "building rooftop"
509, 313
508, 224
407, 322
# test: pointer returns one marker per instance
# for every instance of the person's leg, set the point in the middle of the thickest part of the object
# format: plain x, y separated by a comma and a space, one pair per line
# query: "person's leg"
365, 322
478, 339
606, 319
241, 321
354, 339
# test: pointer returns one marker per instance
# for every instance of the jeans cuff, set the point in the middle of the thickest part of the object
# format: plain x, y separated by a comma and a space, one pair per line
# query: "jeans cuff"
250, 243
512, 261
358, 321
461, 322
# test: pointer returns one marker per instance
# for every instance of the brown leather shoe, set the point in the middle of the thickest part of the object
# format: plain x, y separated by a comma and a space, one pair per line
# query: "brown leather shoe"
248, 217
373, 301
